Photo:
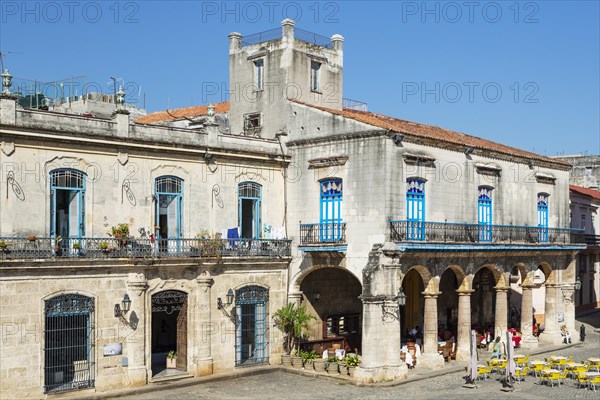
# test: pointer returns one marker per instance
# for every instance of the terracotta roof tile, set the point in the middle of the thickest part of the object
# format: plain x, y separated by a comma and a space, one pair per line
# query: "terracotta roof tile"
433, 132
585, 191
181, 113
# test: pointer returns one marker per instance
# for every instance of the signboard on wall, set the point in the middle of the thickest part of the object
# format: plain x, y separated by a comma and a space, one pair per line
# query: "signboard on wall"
113, 349
561, 317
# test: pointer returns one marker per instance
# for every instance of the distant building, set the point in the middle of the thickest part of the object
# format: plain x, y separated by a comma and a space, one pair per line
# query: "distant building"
585, 172
585, 215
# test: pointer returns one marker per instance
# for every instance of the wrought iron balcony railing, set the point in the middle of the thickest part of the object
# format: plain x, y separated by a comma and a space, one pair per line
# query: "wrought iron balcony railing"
15, 248
448, 232
592, 240
334, 232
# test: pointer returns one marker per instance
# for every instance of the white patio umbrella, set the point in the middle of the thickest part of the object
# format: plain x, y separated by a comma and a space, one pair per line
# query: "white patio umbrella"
510, 356
472, 367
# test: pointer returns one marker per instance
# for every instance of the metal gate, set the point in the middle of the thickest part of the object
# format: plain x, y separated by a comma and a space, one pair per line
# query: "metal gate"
252, 326
69, 353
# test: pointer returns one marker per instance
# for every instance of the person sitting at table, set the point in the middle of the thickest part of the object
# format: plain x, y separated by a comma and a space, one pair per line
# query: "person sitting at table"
564, 331
496, 348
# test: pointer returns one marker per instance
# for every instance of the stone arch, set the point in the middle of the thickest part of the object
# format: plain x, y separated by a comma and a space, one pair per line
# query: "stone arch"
548, 272
428, 281
459, 273
304, 273
498, 276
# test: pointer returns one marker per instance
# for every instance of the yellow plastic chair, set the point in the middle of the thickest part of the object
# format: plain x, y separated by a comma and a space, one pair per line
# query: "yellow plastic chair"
563, 376
544, 375
482, 372
595, 381
536, 369
594, 365
520, 374
582, 380
554, 377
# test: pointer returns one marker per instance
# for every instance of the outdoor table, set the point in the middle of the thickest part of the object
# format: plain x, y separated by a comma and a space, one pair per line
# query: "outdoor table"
537, 362
547, 372
592, 374
594, 359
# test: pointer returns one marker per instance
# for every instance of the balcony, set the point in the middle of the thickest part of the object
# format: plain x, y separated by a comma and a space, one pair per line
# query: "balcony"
324, 236
592, 240
448, 232
17, 248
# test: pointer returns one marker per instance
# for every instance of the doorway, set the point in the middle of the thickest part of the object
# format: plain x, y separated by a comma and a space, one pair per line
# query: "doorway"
249, 214
169, 332
67, 203
252, 324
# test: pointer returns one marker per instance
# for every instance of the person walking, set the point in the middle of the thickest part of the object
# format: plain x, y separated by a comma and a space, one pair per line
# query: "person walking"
496, 348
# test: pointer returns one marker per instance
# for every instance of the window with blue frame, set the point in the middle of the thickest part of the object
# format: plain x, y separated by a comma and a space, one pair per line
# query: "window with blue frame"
542, 210
249, 209
252, 325
484, 213
67, 203
169, 206
331, 210
415, 209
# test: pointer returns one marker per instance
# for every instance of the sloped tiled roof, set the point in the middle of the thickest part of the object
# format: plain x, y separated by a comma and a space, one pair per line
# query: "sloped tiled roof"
585, 191
433, 132
181, 113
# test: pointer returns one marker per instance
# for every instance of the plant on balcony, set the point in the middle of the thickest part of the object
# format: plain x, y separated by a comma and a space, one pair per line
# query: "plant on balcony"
32, 238
121, 231
210, 246
3, 245
103, 246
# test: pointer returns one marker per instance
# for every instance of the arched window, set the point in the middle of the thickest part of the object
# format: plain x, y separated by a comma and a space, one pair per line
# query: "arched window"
69, 343
249, 209
252, 325
484, 213
415, 209
542, 210
331, 195
67, 203
169, 206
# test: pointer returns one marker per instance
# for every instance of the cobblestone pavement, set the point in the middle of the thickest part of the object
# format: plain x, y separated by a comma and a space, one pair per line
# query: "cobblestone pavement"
282, 385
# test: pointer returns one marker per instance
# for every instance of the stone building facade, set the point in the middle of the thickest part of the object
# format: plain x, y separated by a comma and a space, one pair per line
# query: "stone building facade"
375, 209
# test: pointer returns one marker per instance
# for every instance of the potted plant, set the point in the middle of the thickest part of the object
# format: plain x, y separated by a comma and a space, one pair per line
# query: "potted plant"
319, 364
77, 248
308, 357
332, 366
297, 361
32, 238
121, 231
3, 246
172, 359
292, 321
352, 361
103, 247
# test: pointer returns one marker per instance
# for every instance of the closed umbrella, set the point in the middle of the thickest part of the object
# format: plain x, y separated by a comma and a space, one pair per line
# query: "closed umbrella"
510, 364
472, 367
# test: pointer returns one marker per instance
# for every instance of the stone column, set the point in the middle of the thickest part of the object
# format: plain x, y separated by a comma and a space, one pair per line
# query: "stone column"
430, 356
529, 341
136, 343
551, 332
567, 296
204, 363
295, 298
463, 343
380, 341
501, 318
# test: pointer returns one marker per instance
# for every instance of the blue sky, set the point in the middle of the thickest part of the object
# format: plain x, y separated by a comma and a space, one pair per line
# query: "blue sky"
526, 74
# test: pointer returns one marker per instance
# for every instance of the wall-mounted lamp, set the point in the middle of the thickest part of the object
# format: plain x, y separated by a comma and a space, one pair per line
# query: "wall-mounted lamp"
207, 156
469, 151
531, 164
316, 297
577, 284
221, 305
397, 138
123, 308
401, 298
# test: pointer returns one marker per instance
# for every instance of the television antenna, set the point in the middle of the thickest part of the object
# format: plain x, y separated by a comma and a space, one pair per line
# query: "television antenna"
3, 54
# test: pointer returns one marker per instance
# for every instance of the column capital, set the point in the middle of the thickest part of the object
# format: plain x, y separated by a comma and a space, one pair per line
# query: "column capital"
431, 294
501, 288
528, 287
205, 280
465, 292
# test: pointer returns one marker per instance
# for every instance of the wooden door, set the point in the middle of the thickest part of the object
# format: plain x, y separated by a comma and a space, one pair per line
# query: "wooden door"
182, 337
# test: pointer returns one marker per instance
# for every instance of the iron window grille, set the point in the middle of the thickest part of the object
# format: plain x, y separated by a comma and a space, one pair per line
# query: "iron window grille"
252, 326
69, 343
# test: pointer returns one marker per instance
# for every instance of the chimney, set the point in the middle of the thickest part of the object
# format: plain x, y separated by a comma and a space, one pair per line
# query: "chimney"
235, 42
287, 30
